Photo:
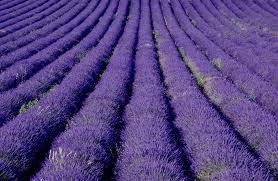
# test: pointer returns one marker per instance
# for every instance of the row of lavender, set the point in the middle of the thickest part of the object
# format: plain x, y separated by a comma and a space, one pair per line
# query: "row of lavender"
54, 72
58, 36
215, 87
247, 81
28, 11
255, 125
22, 70
58, 105
9, 79
190, 103
40, 44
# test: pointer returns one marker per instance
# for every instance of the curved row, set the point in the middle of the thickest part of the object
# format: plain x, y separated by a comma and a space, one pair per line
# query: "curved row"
239, 41
12, 4
52, 73
23, 13
245, 15
228, 12
15, 7
255, 125
214, 149
266, 7
273, 4
22, 70
148, 147
40, 20
260, 11
83, 10
34, 35
34, 130
141, 90
250, 10
267, 72
251, 84
230, 32
98, 120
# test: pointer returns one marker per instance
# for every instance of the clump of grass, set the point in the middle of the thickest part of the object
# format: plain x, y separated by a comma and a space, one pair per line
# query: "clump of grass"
206, 173
252, 95
218, 63
82, 55
182, 52
52, 87
106, 61
199, 77
256, 143
242, 26
194, 22
155, 35
27, 106
49, 90
200, 80
165, 22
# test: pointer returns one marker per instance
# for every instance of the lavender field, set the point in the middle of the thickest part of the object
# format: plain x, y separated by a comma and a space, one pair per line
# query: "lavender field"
138, 90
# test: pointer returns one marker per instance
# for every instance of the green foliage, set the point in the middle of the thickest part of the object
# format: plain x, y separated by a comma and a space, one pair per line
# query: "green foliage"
206, 173
155, 35
106, 61
199, 77
182, 52
218, 63
27, 106
82, 55
200, 80
256, 143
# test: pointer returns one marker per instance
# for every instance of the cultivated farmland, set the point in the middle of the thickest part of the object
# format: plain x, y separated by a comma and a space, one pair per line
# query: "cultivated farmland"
138, 90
